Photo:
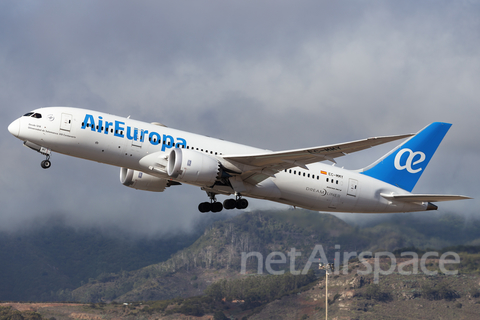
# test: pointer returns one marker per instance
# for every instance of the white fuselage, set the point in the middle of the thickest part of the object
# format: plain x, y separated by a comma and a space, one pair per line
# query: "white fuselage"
123, 142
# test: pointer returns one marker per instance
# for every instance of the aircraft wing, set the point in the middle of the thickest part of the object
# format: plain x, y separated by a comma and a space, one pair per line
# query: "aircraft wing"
423, 197
301, 157
258, 167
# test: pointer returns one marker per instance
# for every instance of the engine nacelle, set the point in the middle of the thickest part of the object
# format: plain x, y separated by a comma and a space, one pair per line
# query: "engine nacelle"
142, 181
193, 167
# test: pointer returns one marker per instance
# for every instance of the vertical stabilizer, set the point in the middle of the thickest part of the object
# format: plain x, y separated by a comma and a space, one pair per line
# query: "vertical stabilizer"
404, 165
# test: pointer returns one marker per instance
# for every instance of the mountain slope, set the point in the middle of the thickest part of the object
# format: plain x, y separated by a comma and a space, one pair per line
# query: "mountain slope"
46, 261
217, 254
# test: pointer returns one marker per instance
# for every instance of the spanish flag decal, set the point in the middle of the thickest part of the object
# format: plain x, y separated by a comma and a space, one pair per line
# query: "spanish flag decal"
323, 172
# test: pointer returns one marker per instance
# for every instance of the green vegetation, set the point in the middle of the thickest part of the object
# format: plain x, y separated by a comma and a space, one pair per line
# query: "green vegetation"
222, 244
8, 313
48, 262
475, 293
439, 291
250, 291
193, 306
422, 230
377, 293
62, 263
258, 290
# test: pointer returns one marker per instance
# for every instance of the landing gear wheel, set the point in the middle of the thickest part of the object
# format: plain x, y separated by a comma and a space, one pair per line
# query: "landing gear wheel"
205, 207
46, 164
229, 204
213, 205
217, 207
242, 203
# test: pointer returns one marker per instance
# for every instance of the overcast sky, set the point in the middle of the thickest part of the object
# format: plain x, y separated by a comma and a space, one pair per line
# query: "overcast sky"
273, 74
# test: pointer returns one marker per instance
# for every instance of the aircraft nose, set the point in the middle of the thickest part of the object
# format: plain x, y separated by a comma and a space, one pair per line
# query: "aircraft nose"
14, 127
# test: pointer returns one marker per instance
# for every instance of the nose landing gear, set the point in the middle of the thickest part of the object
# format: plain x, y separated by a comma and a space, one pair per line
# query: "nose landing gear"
45, 151
46, 163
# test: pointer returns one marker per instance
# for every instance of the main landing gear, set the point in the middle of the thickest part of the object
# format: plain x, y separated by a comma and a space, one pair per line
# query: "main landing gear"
214, 206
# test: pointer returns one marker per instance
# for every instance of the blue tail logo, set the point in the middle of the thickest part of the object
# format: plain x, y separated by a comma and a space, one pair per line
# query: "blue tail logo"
404, 165
409, 162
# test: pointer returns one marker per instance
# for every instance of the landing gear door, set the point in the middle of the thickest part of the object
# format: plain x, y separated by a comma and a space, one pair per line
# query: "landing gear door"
352, 187
66, 122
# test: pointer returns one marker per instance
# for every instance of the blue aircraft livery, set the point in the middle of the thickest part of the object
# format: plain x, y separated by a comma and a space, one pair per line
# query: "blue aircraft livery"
405, 164
118, 129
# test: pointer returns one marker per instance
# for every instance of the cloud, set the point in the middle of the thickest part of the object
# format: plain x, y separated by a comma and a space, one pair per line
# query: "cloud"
276, 75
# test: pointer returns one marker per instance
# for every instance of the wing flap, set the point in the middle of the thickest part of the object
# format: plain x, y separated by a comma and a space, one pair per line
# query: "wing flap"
423, 197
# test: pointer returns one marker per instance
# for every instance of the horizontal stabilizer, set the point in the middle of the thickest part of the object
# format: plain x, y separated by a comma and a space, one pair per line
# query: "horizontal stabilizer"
423, 197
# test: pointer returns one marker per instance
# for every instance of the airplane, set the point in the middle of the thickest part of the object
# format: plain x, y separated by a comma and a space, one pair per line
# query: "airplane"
153, 157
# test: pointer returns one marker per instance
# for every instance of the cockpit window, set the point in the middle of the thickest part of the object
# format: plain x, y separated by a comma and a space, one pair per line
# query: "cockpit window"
33, 115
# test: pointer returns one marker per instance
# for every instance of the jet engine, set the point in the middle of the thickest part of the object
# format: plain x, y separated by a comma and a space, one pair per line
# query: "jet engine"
142, 181
191, 166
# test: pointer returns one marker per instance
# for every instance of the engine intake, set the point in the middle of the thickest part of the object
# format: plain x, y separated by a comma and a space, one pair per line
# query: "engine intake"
191, 166
142, 181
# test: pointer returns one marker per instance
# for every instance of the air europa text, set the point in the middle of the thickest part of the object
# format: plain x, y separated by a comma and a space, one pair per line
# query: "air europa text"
118, 128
